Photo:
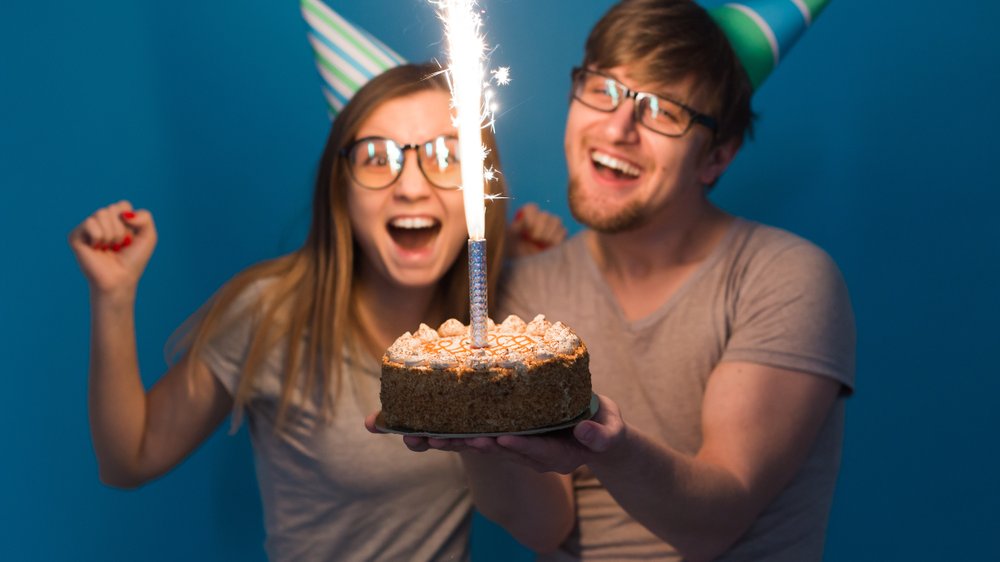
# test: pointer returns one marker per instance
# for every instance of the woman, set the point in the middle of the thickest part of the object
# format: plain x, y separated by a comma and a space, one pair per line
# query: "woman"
293, 343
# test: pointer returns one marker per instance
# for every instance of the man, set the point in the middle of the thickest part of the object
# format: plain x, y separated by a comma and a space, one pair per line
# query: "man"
722, 349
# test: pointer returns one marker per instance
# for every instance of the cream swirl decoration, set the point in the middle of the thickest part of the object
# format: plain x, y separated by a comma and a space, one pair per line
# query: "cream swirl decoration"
513, 343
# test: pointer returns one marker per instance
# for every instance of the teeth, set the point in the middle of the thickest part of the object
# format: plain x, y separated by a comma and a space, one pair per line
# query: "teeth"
412, 222
615, 164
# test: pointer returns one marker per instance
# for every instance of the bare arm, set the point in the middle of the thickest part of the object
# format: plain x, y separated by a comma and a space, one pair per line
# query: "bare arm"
537, 509
137, 435
758, 425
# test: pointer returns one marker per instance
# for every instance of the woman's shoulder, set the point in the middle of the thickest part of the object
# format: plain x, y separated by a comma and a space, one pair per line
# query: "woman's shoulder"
244, 300
257, 285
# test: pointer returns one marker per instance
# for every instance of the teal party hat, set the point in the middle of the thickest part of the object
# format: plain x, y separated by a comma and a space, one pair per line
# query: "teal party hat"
762, 31
346, 55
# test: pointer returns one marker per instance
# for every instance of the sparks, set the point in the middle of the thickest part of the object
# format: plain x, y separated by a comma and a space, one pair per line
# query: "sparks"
466, 50
501, 75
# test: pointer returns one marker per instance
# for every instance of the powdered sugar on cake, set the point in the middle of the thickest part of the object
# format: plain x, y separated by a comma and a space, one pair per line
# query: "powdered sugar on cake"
512, 343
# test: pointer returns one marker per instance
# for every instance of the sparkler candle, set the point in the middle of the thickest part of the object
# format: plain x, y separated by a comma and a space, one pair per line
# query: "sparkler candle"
466, 51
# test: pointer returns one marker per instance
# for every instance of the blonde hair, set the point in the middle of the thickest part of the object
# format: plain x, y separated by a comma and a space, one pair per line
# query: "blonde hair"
311, 289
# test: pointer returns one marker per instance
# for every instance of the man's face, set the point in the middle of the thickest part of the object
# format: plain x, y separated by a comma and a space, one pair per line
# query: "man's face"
623, 175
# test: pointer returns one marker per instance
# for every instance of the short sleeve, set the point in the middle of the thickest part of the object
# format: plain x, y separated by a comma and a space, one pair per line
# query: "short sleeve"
793, 312
226, 350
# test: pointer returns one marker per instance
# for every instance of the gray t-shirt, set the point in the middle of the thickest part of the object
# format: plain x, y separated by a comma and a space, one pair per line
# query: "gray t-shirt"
333, 491
763, 296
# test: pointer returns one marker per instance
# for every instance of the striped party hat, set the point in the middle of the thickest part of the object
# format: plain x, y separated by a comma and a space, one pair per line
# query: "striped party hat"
762, 31
346, 55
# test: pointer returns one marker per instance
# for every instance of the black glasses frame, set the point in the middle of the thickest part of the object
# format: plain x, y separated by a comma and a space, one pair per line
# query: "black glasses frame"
579, 74
346, 153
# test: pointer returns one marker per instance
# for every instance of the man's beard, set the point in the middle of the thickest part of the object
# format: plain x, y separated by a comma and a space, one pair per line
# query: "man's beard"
627, 218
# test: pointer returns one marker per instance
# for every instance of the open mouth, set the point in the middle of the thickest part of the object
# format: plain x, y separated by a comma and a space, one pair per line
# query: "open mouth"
613, 168
413, 233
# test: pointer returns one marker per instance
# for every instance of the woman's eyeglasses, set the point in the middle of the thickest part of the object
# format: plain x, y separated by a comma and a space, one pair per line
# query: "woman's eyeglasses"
377, 162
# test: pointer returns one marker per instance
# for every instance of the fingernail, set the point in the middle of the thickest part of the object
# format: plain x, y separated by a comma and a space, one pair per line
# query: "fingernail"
116, 247
126, 241
127, 215
518, 214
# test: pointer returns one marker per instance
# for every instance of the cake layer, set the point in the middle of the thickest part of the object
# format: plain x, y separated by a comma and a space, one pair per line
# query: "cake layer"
531, 375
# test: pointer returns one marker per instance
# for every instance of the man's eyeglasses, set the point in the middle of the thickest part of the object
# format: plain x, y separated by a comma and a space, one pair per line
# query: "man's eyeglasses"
377, 162
657, 113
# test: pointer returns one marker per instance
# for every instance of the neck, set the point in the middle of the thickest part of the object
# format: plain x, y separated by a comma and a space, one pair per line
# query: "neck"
386, 310
645, 266
663, 243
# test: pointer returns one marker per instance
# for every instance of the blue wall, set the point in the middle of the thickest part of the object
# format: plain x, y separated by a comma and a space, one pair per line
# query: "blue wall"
876, 140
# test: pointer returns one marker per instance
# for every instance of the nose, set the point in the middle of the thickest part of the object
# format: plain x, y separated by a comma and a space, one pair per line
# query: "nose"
622, 123
411, 185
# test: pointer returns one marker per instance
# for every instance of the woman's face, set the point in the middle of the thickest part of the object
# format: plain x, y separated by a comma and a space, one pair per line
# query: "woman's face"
410, 232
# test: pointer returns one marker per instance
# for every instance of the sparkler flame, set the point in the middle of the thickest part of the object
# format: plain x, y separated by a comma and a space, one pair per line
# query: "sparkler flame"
474, 110
466, 51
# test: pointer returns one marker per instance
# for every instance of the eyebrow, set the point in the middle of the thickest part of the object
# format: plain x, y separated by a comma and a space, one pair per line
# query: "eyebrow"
450, 133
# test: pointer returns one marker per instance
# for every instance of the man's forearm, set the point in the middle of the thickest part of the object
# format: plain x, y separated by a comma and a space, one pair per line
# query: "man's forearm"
697, 506
535, 508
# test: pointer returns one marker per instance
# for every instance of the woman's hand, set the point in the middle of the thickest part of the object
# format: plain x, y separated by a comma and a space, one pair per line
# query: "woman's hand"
113, 246
534, 230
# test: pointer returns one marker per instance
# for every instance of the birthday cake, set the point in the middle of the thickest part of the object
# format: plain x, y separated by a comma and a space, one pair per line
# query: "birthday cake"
531, 375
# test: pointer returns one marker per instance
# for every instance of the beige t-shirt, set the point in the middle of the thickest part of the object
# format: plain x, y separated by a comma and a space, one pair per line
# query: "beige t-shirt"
764, 296
334, 491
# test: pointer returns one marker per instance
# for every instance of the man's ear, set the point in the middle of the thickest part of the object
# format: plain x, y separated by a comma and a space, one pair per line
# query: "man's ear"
717, 160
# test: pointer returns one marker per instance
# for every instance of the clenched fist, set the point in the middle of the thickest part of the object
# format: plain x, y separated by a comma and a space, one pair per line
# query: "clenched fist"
113, 246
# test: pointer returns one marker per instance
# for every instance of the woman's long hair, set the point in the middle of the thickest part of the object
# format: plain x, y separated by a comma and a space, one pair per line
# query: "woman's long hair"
310, 292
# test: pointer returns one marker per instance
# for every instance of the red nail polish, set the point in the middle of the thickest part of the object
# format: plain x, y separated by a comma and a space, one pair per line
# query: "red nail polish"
116, 247
128, 215
126, 241
518, 214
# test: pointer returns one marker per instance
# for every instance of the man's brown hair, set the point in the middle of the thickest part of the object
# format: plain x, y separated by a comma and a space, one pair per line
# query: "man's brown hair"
666, 41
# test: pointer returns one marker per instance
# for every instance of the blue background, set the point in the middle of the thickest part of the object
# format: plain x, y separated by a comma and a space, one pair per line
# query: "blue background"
876, 141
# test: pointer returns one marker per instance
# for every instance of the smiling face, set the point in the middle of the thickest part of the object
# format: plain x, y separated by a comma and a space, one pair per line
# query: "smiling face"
410, 232
622, 175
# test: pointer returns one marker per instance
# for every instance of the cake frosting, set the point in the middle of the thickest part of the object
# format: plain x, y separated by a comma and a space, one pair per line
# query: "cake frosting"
532, 374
